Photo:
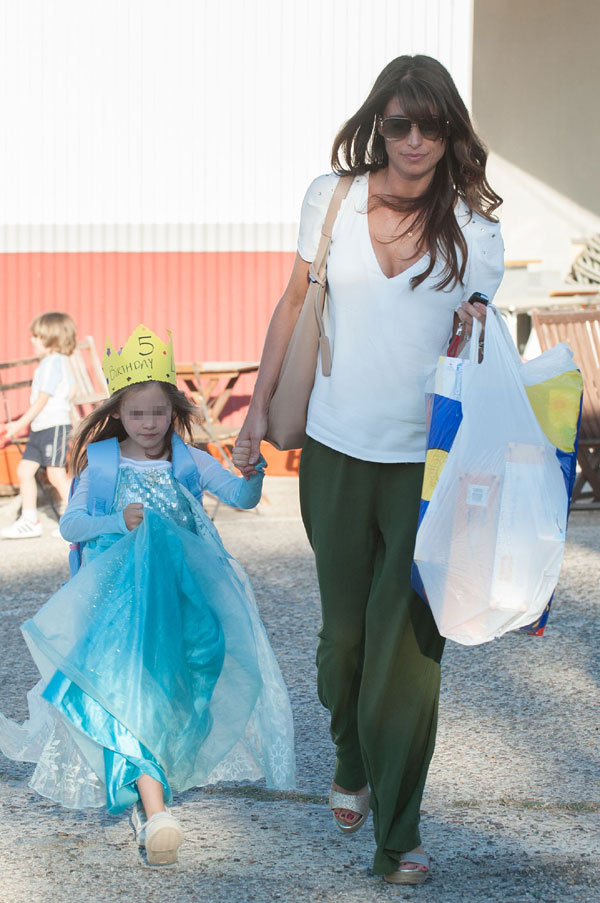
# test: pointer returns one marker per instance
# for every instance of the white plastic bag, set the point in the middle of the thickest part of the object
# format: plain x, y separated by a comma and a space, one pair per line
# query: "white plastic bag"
490, 545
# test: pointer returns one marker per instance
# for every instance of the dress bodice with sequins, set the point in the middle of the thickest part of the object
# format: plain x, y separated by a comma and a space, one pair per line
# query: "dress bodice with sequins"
155, 488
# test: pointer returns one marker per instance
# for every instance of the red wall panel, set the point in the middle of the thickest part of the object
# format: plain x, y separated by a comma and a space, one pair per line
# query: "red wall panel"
217, 304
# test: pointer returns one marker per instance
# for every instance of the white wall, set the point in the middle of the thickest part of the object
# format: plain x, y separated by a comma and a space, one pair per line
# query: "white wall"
190, 111
536, 90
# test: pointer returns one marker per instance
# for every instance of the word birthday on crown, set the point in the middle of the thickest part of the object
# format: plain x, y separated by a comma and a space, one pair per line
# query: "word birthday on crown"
128, 368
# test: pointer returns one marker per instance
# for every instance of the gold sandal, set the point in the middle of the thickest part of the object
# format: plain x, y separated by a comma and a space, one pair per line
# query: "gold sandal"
410, 876
354, 802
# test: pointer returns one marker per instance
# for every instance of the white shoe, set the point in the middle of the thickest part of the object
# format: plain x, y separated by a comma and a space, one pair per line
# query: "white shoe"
23, 528
138, 822
161, 835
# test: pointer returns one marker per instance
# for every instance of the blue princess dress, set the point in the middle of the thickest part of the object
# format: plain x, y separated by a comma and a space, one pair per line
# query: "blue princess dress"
153, 657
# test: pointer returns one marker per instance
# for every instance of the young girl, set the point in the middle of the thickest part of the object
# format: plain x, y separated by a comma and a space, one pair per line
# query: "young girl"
53, 338
157, 674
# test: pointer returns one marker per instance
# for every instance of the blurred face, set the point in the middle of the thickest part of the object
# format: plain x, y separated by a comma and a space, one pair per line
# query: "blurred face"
413, 153
145, 413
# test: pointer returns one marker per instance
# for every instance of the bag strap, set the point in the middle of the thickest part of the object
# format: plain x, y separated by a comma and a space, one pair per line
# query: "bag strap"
317, 272
103, 463
185, 470
75, 548
318, 268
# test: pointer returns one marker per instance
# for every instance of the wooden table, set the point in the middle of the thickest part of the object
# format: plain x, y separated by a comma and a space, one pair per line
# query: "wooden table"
210, 383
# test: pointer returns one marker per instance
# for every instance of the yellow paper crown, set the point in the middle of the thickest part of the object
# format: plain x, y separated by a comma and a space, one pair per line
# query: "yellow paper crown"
143, 357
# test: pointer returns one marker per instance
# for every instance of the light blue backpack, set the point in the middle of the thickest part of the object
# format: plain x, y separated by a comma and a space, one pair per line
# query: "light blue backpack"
103, 468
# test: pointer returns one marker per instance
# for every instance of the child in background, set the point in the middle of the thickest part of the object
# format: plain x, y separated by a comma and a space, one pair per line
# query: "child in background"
157, 674
53, 338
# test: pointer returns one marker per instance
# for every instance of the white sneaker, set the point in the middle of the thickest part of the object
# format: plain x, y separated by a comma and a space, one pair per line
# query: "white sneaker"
138, 822
161, 835
23, 528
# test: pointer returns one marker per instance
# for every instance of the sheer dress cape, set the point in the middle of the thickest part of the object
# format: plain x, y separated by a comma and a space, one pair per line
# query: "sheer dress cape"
153, 659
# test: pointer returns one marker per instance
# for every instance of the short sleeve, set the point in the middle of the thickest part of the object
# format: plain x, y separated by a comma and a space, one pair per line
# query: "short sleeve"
50, 374
485, 263
314, 207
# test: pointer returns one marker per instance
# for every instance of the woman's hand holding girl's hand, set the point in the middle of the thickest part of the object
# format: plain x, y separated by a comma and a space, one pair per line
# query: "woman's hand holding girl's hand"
247, 445
241, 456
133, 515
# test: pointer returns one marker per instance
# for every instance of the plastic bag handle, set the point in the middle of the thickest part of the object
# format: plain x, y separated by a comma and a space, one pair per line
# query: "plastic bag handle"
497, 342
503, 335
474, 340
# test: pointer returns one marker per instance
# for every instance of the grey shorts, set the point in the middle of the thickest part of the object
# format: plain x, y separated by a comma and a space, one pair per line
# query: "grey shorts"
48, 448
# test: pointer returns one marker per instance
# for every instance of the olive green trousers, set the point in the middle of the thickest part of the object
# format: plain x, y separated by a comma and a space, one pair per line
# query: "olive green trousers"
379, 650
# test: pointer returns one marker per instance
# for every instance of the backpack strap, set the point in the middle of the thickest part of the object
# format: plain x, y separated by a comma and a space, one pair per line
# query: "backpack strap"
103, 463
75, 548
185, 469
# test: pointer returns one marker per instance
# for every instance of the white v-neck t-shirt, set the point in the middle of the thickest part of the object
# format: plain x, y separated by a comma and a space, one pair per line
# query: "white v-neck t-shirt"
385, 337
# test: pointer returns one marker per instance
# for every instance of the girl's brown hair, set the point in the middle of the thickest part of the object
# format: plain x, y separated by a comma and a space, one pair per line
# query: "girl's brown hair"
56, 331
101, 424
424, 88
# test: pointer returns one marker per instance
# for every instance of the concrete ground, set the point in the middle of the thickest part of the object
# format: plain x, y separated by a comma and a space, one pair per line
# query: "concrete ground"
511, 809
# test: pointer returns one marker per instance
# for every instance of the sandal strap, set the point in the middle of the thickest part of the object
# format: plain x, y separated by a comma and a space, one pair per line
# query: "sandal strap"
355, 802
415, 859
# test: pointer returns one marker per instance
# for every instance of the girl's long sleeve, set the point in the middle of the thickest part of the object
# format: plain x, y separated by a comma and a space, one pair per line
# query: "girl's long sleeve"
231, 489
76, 525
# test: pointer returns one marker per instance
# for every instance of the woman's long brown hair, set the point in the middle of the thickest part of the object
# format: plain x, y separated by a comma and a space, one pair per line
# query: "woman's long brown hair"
102, 424
424, 88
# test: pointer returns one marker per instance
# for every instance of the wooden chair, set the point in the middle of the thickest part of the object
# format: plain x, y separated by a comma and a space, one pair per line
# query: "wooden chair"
90, 384
211, 435
89, 388
209, 385
9, 383
12, 384
580, 329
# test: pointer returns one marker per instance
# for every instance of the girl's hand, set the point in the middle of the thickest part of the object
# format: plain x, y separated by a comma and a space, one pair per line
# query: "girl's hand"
248, 442
133, 515
11, 430
466, 312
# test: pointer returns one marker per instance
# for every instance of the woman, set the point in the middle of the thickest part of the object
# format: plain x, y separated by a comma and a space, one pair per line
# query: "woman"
414, 238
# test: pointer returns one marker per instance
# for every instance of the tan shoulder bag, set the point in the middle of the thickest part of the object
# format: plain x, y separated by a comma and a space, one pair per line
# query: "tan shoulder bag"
289, 402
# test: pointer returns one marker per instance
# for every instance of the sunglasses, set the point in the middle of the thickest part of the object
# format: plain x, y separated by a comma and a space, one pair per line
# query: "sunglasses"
395, 128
